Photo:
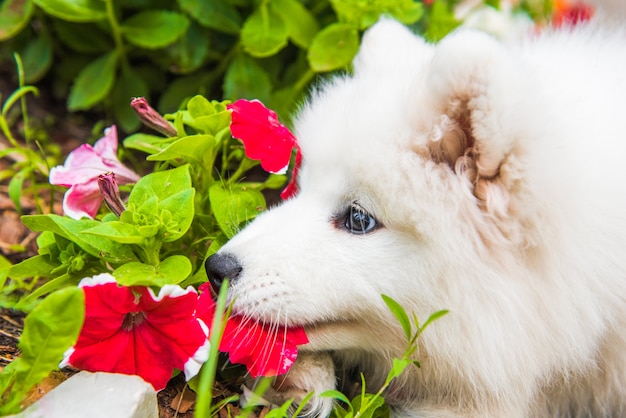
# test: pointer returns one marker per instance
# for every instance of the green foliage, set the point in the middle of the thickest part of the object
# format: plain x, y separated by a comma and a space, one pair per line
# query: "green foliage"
372, 405
104, 51
49, 331
29, 164
174, 217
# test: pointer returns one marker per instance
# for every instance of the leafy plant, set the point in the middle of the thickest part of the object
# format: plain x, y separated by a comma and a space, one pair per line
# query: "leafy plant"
195, 197
30, 163
99, 53
49, 330
368, 405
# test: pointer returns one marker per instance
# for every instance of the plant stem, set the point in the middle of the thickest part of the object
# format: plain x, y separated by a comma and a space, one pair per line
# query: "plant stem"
117, 34
207, 374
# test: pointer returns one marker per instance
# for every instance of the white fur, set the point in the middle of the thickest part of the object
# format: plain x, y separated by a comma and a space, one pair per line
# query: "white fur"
497, 173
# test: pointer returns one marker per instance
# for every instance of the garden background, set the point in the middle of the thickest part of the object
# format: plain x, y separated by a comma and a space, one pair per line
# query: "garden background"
69, 69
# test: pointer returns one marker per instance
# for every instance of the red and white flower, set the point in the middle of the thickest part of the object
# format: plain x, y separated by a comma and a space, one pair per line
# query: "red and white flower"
265, 350
80, 173
130, 330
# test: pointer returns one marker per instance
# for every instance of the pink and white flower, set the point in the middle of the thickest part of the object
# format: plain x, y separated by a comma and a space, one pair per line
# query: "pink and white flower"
80, 173
130, 330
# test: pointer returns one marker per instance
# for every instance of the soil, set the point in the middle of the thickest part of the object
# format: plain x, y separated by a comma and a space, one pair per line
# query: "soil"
18, 243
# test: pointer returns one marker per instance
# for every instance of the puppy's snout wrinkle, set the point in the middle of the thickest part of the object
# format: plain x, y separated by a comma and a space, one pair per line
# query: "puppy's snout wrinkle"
222, 266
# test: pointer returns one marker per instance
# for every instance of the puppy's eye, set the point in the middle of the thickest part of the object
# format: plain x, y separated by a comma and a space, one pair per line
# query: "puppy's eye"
358, 221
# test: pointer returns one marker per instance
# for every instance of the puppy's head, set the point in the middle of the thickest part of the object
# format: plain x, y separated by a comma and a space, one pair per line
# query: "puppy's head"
411, 178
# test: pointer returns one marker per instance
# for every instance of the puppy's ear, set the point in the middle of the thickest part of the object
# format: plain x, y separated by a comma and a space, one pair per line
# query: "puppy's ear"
473, 92
387, 44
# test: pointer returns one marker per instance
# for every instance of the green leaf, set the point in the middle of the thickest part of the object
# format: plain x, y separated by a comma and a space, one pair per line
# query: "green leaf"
199, 106
189, 52
408, 11
172, 270
160, 184
333, 47
275, 181
245, 78
127, 86
191, 148
36, 266
370, 406
15, 187
335, 394
154, 29
74, 10
82, 37
300, 21
441, 21
5, 266
117, 231
235, 205
175, 195
433, 317
364, 14
37, 58
93, 83
397, 368
150, 144
265, 32
180, 89
180, 206
56, 283
72, 229
214, 14
49, 330
14, 98
14, 16
399, 312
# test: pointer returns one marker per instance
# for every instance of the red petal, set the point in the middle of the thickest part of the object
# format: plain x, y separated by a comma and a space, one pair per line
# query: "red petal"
292, 188
167, 336
264, 137
264, 350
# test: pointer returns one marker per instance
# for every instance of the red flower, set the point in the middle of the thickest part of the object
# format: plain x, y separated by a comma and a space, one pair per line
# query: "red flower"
265, 350
264, 137
132, 331
292, 187
568, 12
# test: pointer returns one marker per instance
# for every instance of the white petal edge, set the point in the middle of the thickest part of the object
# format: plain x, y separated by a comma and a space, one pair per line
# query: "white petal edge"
173, 291
194, 363
66, 357
96, 280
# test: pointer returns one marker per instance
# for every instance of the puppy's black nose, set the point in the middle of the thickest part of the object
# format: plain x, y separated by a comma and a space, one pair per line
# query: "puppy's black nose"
221, 266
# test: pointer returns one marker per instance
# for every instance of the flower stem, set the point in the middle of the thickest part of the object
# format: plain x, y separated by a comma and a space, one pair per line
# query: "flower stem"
116, 31
207, 374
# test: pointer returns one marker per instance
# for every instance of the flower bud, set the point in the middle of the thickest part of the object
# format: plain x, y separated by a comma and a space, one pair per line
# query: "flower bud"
111, 193
151, 118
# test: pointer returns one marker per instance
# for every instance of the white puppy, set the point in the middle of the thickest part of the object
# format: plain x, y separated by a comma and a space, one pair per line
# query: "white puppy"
486, 179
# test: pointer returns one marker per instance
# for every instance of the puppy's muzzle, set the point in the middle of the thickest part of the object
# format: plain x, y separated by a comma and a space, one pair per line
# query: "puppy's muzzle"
222, 266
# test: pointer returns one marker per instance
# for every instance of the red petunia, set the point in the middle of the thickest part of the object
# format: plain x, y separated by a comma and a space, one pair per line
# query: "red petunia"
265, 350
570, 12
265, 139
130, 330
292, 187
